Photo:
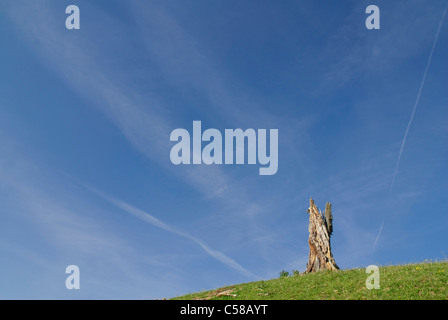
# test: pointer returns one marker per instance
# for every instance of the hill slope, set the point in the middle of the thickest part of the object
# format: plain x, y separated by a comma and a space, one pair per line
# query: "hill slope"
414, 281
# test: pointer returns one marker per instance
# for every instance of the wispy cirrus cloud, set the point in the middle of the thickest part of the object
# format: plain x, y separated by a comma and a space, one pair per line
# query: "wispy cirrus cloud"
48, 226
138, 114
138, 118
150, 219
378, 236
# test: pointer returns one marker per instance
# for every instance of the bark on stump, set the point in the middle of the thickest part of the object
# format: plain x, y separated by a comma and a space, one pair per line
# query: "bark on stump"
320, 229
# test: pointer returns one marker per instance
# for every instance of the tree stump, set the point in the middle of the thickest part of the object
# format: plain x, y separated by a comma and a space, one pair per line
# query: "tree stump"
320, 228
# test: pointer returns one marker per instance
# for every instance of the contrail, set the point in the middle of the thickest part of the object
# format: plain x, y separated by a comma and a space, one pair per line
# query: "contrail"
378, 236
142, 215
417, 100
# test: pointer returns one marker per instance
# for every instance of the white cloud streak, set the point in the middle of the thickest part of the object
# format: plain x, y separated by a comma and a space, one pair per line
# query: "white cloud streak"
150, 219
37, 202
378, 236
136, 113
136, 116
417, 101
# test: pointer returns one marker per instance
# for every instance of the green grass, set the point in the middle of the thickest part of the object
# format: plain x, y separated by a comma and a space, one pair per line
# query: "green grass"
421, 281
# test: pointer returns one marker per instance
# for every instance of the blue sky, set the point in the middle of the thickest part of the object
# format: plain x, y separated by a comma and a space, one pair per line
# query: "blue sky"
86, 117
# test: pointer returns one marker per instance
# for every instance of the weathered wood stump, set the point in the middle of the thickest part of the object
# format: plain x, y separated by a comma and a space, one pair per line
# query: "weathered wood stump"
320, 228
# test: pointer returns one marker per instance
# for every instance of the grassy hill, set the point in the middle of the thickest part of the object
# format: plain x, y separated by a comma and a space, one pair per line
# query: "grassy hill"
427, 280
